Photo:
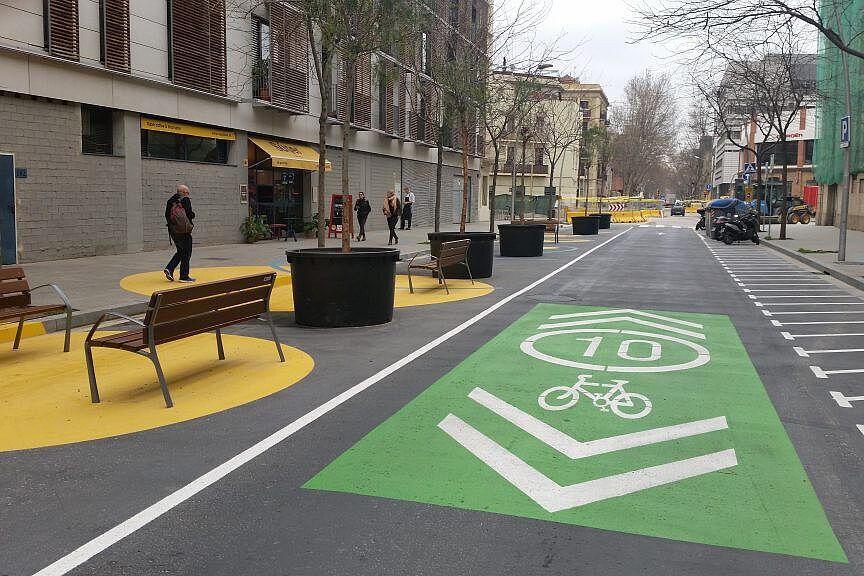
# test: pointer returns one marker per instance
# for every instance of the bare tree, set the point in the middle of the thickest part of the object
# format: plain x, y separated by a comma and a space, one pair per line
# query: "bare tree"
595, 148
646, 130
559, 127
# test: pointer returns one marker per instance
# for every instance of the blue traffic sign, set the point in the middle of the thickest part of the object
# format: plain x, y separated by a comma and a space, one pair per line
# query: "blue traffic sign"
845, 130
749, 168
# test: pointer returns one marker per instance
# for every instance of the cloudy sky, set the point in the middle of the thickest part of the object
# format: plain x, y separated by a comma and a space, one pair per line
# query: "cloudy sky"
597, 35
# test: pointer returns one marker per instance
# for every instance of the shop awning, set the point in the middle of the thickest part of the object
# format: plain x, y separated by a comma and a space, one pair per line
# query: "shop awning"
289, 155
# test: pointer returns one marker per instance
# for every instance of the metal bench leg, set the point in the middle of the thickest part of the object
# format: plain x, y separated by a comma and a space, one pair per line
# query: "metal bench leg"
410, 284
18, 333
91, 373
68, 328
443, 279
155, 359
467, 267
275, 338
219, 347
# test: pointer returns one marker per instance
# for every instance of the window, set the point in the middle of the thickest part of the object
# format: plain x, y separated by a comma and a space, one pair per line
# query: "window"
288, 51
61, 28
114, 15
425, 56
808, 152
538, 155
197, 44
97, 130
182, 147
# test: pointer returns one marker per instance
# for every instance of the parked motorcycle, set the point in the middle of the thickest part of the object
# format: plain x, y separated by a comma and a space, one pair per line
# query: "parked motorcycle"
700, 225
718, 224
740, 228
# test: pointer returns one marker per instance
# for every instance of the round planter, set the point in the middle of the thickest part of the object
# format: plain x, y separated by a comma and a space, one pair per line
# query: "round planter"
605, 220
332, 289
585, 225
521, 240
480, 252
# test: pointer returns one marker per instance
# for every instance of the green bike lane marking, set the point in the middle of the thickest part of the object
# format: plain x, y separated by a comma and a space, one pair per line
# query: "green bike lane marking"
649, 423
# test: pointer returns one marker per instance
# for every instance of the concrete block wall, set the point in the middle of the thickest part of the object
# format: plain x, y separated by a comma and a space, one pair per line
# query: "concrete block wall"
71, 204
214, 194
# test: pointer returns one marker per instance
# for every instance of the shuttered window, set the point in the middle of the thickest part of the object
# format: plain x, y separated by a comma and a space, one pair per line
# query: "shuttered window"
115, 34
61, 28
289, 59
97, 130
197, 29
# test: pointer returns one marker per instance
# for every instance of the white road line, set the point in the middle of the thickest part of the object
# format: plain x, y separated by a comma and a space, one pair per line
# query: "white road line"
785, 284
818, 312
138, 521
860, 428
794, 336
799, 296
806, 353
820, 373
800, 290
814, 323
844, 401
818, 303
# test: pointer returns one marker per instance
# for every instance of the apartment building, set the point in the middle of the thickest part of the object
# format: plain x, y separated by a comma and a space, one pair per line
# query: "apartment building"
556, 125
105, 105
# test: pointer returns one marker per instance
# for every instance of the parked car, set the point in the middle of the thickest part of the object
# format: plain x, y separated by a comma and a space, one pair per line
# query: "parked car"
678, 209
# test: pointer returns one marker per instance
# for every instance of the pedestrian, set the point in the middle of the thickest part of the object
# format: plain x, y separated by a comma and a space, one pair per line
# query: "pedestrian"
363, 209
407, 210
391, 211
179, 217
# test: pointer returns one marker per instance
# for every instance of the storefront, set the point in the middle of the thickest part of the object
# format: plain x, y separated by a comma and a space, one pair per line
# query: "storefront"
280, 180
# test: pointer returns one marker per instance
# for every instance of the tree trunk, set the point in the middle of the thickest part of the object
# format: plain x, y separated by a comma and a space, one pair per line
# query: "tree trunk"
466, 182
347, 214
551, 185
783, 206
439, 169
322, 165
494, 187
522, 206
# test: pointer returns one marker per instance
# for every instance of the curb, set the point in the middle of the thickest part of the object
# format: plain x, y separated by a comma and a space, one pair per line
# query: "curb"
851, 280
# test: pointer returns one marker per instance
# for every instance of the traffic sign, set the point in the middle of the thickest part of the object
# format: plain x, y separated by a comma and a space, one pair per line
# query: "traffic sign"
612, 418
749, 168
845, 130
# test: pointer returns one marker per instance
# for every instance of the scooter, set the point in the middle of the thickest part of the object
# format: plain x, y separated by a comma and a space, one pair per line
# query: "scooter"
700, 225
718, 226
739, 228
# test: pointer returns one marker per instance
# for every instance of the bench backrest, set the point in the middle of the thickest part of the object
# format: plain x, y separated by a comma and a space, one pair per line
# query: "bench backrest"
182, 312
14, 289
453, 252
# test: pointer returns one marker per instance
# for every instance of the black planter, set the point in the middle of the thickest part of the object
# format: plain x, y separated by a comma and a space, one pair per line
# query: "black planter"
521, 240
585, 225
605, 220
332, 289
480, 252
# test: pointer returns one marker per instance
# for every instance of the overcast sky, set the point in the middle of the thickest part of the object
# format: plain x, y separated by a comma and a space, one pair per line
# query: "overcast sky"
597, 33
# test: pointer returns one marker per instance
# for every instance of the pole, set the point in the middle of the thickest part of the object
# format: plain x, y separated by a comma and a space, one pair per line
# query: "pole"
847, 152
513, 185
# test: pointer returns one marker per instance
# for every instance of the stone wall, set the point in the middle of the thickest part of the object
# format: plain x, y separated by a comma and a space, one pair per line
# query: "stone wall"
71, 204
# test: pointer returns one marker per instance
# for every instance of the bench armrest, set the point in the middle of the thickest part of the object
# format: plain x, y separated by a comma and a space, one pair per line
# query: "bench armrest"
419, 254
106, 315
56, 289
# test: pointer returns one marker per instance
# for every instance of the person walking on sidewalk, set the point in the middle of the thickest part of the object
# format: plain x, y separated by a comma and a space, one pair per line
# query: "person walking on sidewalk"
407, 210
363, 209
391, 211
179, 217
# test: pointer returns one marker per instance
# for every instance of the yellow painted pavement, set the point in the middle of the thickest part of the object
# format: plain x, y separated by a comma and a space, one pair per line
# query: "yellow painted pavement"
7, 331
45, 394
426, 289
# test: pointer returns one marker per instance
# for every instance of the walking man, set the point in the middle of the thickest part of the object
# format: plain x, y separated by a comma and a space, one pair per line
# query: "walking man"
363, 209
407, 210
179, 216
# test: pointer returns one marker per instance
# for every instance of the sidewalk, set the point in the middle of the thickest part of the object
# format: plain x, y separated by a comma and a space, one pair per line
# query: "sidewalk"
93, 284
816, 246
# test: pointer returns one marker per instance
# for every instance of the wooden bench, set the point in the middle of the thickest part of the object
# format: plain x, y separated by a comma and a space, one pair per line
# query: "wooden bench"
449, 254
183, 312
15, 302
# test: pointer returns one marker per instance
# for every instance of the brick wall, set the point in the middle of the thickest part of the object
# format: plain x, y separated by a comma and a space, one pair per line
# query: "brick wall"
70, 205
214, 195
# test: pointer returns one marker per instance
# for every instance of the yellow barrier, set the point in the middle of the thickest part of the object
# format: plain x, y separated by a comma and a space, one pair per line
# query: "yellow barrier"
627, 217
652, 213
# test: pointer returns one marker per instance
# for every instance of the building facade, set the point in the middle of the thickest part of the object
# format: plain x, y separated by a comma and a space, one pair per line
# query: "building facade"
555, 125
106, 105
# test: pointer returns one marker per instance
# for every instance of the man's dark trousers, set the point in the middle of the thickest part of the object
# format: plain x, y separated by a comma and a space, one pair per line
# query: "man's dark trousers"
183, 243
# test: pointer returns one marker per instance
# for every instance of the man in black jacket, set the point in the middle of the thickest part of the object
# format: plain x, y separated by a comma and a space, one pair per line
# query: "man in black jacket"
180, 232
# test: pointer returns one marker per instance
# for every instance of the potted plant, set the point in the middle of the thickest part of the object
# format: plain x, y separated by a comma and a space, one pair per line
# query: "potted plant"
522, 239
261, 79
253, 228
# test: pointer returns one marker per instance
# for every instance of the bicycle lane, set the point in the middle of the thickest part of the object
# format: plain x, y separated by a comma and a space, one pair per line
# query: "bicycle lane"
638, 421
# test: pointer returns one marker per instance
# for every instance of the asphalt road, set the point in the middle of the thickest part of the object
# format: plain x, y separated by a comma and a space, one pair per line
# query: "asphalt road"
369, 485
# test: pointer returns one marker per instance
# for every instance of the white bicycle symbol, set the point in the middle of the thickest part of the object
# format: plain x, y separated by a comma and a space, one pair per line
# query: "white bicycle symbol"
622, 403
